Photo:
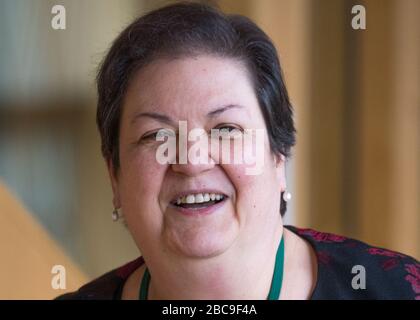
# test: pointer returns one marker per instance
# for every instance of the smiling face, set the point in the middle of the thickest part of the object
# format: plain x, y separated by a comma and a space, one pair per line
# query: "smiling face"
207, 92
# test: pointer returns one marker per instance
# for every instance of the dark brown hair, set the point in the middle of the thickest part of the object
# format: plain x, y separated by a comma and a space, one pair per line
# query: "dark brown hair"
186, 29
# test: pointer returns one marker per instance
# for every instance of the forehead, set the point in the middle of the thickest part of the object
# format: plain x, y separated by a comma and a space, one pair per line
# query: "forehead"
200, 81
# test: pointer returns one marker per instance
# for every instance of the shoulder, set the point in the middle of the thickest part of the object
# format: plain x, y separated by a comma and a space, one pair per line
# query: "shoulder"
352, 269
105, 287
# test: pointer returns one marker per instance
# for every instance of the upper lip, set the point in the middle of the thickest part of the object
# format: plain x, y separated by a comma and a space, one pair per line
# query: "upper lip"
195, 191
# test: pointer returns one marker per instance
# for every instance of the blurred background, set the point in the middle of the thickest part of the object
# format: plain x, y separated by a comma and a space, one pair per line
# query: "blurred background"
355, 170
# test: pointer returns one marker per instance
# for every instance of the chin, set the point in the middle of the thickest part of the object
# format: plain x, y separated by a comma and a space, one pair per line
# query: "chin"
205, 243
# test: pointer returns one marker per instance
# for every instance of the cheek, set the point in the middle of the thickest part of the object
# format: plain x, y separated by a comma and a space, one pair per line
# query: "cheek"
246, 186
243, 175
141, 181
254, 203
255, 194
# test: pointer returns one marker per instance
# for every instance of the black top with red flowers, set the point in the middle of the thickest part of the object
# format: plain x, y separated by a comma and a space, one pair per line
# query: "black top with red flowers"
347, 269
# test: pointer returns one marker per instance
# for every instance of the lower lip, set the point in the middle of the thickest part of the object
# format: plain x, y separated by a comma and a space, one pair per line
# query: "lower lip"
199, 211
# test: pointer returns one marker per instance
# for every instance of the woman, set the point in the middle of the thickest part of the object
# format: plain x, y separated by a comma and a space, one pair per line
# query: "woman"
210, 229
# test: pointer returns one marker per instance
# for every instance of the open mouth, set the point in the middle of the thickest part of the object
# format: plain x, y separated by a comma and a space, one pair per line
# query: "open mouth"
198, 200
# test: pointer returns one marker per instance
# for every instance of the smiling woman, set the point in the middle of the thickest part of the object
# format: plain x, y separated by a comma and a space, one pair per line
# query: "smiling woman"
209, 229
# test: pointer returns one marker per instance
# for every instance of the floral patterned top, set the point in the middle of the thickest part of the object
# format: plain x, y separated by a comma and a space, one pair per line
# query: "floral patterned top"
347, 269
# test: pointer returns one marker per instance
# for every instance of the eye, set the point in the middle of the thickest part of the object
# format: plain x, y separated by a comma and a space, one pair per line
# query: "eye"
228, 130
228, 127
157, 135
149, 136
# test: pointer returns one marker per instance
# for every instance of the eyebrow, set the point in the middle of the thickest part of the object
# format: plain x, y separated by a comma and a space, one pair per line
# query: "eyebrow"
154, 115
218, 111
165, 119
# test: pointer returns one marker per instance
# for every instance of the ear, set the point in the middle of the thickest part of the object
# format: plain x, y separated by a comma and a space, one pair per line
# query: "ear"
113, 175
280, 163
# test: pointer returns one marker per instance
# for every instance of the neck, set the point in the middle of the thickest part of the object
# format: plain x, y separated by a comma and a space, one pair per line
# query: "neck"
236, 274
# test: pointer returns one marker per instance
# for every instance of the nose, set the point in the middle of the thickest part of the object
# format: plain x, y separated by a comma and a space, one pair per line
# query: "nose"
193, 158
190, 169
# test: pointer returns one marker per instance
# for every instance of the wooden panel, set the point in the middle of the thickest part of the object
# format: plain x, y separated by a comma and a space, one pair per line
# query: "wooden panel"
326, 125
28, 254
375, 148
405, 129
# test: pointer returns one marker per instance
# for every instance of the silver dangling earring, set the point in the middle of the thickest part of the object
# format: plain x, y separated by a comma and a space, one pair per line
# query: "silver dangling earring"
287, 196
115, 215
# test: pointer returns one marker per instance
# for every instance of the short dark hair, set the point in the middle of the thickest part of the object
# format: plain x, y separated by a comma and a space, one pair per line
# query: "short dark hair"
186, 29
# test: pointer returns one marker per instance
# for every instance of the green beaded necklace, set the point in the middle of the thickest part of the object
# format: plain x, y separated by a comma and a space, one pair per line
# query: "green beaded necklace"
276, 282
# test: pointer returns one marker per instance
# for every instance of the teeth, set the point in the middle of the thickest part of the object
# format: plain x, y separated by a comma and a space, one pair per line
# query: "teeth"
190, 198
199, 198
